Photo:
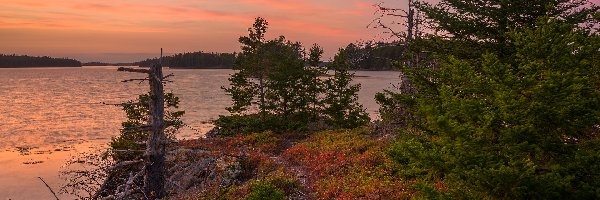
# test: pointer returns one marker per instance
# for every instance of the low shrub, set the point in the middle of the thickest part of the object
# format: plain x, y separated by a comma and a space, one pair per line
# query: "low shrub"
348, 164
264, 141
265, 190
254, 123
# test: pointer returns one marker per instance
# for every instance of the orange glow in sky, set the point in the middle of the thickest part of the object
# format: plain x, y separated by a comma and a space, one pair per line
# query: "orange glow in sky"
130, 30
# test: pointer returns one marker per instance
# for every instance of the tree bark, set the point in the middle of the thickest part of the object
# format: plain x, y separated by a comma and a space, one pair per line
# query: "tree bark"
155, 146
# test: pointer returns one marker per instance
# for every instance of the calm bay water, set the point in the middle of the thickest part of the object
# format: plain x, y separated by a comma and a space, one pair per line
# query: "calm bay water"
50, 114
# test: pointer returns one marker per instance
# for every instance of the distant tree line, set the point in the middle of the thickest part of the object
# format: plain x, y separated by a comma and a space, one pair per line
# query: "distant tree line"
194, 60
10, 61
105, 64
373, 56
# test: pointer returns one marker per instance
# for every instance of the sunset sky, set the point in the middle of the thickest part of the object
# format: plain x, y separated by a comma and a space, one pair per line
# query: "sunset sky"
130, 30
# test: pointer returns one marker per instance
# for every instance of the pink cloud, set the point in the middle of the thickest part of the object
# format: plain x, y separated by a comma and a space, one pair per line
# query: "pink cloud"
302, 26
335, 22
293, 5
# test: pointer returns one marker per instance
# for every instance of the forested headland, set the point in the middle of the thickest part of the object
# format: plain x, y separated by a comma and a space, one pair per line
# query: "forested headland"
19, 61
370, 56
193, 60
105, 64
374, 56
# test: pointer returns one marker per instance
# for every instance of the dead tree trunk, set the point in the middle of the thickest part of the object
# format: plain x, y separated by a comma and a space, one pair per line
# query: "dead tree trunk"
410, 19
155, 146
154, 157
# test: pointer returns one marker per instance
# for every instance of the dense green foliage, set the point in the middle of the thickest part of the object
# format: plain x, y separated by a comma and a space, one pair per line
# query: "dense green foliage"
524, 129
340, 106
503, 102
131, 142
264, 190
194, 60
476, 27
466, 29
106, 64
272, 77
13, 60
275, 89
373, 56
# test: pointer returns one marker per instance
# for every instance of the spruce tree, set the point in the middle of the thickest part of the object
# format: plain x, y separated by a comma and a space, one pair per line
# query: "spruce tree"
341, 107
483, 25
272, 78
251, 64
526, 129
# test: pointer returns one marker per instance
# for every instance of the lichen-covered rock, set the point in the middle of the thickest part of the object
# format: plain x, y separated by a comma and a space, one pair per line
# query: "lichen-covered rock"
229, 169
191, 171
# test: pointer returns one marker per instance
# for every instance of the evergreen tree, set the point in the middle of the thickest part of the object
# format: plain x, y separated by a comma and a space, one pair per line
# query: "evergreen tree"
280, 81
526, 129
483, 25
273, 79
286, 94
465, 29
313, 84
251, 65
341, 107
131, 142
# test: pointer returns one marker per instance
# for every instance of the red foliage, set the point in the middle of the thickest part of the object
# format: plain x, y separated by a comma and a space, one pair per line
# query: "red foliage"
348, 165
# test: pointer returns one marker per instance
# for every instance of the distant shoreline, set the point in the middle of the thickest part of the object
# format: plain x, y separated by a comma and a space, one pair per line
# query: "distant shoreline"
39, 67
24, 61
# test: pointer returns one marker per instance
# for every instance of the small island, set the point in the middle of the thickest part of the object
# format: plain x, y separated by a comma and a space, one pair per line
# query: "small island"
22, 61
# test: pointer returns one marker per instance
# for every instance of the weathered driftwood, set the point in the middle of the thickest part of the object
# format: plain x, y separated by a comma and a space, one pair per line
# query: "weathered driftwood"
49, 188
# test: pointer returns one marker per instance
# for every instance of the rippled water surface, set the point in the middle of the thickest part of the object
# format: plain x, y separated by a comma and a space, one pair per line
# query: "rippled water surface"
50, 114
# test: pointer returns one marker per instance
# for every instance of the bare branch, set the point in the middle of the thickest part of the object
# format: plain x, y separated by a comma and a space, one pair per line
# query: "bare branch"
49, 188
123, 69
127, 150
123, 164
167, 76
124, 104
135, 79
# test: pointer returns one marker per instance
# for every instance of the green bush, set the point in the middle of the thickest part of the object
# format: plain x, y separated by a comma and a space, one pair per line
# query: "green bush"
263, 138
265, 190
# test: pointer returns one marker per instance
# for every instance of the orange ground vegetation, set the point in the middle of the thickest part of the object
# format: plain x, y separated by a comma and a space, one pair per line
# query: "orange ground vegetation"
339, 164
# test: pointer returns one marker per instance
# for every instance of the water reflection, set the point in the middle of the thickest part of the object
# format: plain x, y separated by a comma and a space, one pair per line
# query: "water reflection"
22, 165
